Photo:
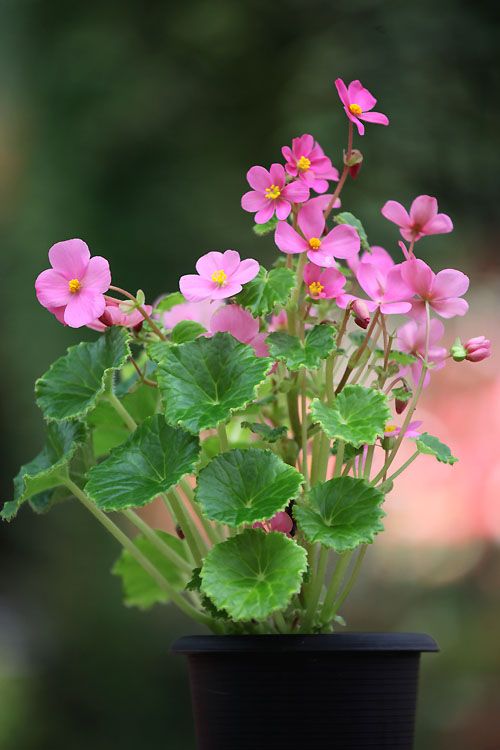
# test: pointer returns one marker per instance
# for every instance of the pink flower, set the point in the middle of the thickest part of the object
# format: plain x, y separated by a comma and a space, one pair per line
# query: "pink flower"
280, 522
239, 323
325, 283
341, 242
113, 316
307, 161
442, 291
386, 289
278, 322
412, 431
411, 340
422, 220
200, 312
477, 349
221, 275
271, 194
358, 103
73, 289
378, 257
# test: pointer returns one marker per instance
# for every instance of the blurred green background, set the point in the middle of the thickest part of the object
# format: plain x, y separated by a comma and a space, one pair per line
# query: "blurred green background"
131, 125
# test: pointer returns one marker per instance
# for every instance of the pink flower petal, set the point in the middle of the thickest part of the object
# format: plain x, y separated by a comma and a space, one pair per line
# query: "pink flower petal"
450, 283
195, 288
288, 240
246, 271
440, 224
423, 209
236, 321
52, 289
375, 117
283, 209
395, 308
70, 258
358, 123
83, 308
265, 213
448, 308
277, 174
97, 277
230, 261
209, 263
361, 96
296, 192
201, 312
342, 91
311, 220
371, 280
418, 276
228, 290
342, 242
259, 344
253, 201
395, 212
258, 178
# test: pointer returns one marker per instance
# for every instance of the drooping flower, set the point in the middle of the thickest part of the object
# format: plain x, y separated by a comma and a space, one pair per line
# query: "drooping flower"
242, 325
114, 316
307, 161
422, 220
361, 313
411, 339
358, 103
341, 242
378, 256
200, 312
323, 283
442, 290
220, 275
386, 289
271, 194
280, 522
412, 431
477, 348
73, 289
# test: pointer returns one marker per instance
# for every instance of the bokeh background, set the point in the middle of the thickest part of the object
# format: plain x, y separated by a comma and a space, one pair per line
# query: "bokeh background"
131, 125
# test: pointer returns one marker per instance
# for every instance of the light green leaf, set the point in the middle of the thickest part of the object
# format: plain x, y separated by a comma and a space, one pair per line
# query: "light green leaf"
347, 218
319, 342
48, 470
401, 358
109, 429
170, 301
341, 513
253, 574
432, 446
154, 458
72, 385
139, 589
186, 330
204, 381
358, 415
265, 432
267, 290
262, 229
195, 585
244, 486
402, 394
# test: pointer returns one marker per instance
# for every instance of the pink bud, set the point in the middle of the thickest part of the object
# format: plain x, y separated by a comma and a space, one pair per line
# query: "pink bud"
281, 522
477, 349
106, 318
361, 313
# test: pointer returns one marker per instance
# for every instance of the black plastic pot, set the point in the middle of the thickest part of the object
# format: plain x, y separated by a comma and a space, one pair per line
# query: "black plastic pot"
347, 691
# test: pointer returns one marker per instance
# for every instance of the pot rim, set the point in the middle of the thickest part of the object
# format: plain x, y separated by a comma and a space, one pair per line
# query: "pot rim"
348, 642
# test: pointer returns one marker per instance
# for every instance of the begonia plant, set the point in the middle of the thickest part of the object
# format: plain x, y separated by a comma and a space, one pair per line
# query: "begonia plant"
265, 409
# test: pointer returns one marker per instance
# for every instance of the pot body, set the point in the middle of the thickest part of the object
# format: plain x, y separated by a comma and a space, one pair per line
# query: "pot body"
345, 691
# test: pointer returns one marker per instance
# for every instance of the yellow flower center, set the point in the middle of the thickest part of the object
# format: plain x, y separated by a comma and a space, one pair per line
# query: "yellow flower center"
219, 277
74, 285
315, 243
355, 109
304, 163
273, 192
390, 428
316, 288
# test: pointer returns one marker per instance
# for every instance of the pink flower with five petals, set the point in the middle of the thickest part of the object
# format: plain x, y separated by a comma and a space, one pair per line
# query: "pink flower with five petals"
307, 161
221, 275
358, 103
323, 283
442, 290
411, 340
73, 289
341, 242
422, 220
385, 287
242, 325
271, 194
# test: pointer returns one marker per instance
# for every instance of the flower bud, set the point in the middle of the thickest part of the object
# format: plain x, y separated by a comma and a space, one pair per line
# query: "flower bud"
106, 318
179, 532
477, 349
354, 162
458, 351
361, 313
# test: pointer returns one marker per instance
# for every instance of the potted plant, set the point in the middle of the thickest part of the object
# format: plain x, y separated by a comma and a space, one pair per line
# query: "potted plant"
265, 409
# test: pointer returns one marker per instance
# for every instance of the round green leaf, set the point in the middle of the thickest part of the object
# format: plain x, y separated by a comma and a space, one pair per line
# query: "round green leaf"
254, 574
204, 381
341, 513
244, 486
358, 415
319, 342
267, 290
72, 385
139, 588
432, 446
153, 459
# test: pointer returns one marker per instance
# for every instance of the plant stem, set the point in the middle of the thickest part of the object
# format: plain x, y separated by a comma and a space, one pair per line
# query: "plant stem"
157, 541
211, 532
128, 544
303, 409
339, 458
143, 312
121, 410
224, 442
352, 580
195, 542
323, 458
315, 591
280, 622
344, 174
338, 575
403, 467
356, 356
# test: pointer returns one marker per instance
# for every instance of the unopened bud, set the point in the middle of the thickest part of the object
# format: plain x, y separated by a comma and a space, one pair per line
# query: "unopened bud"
458, 351
106, 318
402, 398
361, 313
354, 171
354, 158
477, 349
179, 532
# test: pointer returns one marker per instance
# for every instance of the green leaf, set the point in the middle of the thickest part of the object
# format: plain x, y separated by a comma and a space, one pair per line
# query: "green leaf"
186, 330
341, 513
267, 290
432, 446
358, 415
319, 342
265, 432
109, 428
139, 589
401, 358
170, 301
154, 458
253, 574
402, 394
347, 218
48, 470
204, 381
73, 384
195, 585
244, 486
262, 229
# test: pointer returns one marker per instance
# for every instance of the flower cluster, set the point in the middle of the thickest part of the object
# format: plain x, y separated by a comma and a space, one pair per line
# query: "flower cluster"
264, 408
